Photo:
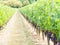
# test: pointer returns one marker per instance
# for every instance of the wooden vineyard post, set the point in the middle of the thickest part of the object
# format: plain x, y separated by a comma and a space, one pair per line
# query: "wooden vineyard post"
38, 30
43, 34
0, 27
46, 33
48, 37
48, 40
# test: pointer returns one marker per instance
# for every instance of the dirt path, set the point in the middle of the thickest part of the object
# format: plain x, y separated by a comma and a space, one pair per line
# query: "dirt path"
19, 32
14, 34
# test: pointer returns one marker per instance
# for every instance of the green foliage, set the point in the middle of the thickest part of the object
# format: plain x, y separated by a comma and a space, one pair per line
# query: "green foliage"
12, 3
31, 1
5, 14
44, 13
17, 3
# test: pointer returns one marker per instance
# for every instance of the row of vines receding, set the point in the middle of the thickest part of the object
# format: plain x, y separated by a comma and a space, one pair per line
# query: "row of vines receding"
45, 16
